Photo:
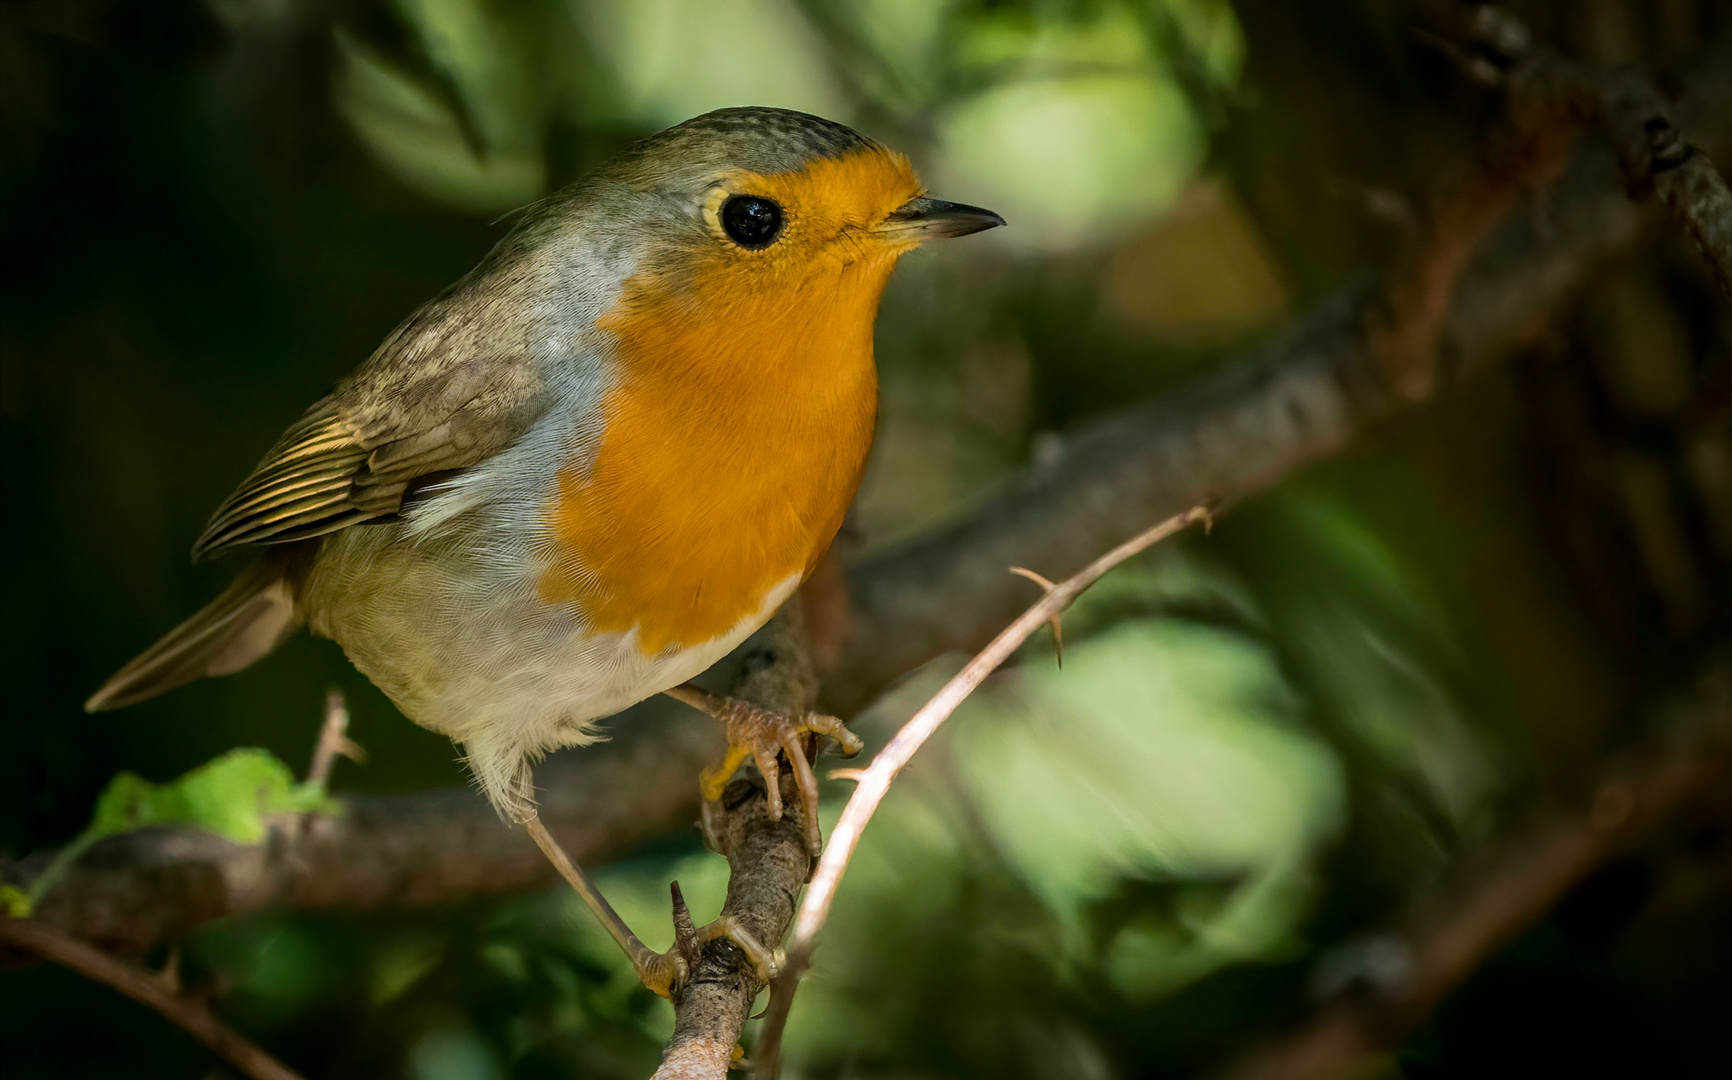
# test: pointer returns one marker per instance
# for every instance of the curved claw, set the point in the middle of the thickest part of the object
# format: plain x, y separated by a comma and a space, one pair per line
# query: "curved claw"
808, 785
767, 758
821, 724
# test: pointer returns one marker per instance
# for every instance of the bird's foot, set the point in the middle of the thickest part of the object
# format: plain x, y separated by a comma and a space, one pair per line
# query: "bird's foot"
666, 973
763, 736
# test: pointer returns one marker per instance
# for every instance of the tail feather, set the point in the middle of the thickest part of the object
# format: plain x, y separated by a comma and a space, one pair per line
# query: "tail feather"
248, 620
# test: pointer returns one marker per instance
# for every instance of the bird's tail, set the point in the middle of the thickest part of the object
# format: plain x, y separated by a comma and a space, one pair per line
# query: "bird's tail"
248, 620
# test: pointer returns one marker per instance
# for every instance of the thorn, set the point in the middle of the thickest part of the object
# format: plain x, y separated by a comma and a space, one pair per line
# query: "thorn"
1023, 571
685, 933
1207, 513
855, 775
1057, 633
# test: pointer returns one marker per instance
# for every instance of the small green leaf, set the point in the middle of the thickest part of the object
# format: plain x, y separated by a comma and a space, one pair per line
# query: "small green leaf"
231, 796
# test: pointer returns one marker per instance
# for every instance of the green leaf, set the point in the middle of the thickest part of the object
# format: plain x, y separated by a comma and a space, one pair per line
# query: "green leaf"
231, 796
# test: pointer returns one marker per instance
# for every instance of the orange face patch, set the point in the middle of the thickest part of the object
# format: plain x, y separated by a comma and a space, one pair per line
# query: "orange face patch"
741, 413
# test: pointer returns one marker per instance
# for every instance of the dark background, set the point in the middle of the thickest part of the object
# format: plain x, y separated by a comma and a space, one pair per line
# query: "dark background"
212, 211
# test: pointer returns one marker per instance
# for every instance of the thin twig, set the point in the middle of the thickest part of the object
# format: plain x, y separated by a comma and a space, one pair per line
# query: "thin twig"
874, 781
334, 739
1546, 104
1653, 153
189, 1014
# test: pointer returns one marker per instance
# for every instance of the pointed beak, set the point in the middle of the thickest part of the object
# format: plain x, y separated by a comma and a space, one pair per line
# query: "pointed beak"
926, 219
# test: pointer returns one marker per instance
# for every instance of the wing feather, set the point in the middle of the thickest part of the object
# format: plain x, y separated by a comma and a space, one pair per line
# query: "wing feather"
436, 398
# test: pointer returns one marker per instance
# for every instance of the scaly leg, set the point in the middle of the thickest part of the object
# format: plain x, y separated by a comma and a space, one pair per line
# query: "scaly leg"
763, 735
663, 973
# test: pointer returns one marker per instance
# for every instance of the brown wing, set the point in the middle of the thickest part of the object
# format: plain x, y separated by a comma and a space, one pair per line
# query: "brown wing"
449, 388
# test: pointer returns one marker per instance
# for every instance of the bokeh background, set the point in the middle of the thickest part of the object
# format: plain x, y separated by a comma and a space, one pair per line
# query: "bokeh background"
1259, 744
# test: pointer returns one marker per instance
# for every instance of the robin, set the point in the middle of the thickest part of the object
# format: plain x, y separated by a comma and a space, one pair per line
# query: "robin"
593, 466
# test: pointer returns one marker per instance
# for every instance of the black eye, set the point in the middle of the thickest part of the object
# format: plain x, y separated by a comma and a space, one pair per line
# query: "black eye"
751, 222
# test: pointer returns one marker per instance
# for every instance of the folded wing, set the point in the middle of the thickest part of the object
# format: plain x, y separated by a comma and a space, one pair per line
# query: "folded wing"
438, 397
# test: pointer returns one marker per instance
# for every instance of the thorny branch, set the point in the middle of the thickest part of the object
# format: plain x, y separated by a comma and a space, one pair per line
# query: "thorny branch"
147, 988
873, 782
1496, 892
768, 862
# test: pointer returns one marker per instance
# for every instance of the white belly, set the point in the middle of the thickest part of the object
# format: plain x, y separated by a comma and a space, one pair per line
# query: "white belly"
505, 675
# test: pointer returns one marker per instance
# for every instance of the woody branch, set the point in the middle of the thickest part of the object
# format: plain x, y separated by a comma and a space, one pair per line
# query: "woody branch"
768, 862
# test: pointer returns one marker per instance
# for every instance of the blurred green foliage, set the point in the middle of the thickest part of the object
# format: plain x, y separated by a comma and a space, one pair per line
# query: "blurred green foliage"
1068, 116
1260, 743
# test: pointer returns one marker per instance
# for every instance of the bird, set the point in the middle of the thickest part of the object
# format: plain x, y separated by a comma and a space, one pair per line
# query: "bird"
593, 466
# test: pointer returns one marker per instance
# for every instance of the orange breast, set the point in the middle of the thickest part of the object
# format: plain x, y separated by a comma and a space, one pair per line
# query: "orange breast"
735, 437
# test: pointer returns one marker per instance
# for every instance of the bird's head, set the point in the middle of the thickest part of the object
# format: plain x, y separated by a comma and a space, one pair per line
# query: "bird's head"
747, 217
771, 196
